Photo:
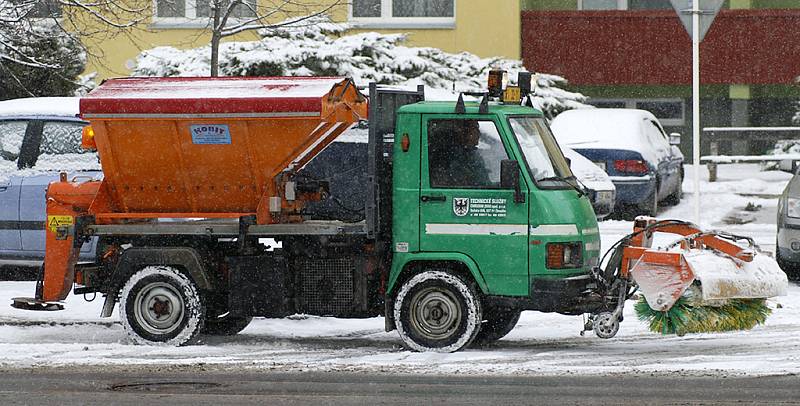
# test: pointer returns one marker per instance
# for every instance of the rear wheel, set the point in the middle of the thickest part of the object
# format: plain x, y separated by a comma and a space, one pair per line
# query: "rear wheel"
226, 325
675, 197
437, 311
499, 321
650, 206
161, 305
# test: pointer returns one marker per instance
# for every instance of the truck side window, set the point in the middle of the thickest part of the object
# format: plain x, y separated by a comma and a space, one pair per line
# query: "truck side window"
61, 137
464, 154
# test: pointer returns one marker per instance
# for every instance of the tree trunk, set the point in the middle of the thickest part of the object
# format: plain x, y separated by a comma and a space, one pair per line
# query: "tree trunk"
215, 39
216, 36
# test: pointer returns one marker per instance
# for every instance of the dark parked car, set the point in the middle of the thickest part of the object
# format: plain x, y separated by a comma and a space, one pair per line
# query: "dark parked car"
39, 137
787, 251
632, 147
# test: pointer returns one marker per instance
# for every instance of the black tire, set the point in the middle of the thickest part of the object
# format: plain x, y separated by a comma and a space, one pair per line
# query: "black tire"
161, 305
226, 325
675, 198
791, 269
650, 206
437, 311
497, 323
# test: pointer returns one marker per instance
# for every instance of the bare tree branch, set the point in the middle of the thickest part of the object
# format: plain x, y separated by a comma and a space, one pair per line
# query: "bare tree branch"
257, 23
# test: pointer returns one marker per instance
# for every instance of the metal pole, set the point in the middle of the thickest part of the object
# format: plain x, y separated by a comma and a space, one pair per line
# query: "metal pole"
696, 105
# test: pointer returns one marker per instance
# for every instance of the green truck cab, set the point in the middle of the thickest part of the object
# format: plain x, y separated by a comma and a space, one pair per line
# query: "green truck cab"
487, 221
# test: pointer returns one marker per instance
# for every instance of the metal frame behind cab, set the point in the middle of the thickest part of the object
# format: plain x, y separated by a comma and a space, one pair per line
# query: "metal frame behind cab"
383, 105
218, 228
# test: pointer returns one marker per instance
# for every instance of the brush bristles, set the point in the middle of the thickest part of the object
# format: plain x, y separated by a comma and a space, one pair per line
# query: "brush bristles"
685, 317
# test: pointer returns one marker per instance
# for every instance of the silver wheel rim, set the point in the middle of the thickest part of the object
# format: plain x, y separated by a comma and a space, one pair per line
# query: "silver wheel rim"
606, 326
435, 313
158, 308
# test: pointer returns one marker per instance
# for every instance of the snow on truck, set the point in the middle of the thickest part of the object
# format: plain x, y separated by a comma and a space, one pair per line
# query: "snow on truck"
472, 215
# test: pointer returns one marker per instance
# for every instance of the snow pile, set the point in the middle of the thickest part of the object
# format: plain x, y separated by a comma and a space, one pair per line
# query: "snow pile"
785, 147
52, 164
40, 106
320, 49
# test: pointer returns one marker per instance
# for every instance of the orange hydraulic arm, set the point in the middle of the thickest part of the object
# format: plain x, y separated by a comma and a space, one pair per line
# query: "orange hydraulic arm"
642, 241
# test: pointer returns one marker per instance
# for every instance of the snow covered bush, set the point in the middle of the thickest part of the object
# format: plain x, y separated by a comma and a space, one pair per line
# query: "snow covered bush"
322, 48
38, 59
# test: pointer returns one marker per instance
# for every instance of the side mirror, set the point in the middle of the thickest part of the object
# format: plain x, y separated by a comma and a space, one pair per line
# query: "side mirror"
788, 165
675, 139
509, 178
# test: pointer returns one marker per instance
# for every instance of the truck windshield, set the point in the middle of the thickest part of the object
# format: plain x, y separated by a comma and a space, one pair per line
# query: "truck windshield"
545, 160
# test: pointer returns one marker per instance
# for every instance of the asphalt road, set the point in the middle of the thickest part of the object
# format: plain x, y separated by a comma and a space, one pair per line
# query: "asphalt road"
193, 386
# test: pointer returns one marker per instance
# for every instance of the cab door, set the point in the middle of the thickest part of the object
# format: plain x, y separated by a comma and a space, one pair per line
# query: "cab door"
463, 209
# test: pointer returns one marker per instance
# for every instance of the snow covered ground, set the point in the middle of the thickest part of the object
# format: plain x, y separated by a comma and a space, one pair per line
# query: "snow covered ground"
542, 344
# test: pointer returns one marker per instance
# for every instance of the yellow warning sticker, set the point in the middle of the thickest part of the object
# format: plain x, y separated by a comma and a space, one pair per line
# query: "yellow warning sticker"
53, 222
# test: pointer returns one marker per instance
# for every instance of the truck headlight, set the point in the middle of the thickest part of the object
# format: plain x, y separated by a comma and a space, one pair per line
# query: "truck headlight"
793, 207
561, 255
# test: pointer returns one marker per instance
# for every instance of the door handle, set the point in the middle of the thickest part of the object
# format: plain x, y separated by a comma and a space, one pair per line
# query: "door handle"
426, 199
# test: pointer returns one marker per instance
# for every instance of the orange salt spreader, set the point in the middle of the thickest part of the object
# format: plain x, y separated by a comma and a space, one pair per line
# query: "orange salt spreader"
166, 151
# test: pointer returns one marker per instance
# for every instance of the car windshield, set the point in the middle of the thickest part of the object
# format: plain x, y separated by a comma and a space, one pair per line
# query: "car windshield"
545, 160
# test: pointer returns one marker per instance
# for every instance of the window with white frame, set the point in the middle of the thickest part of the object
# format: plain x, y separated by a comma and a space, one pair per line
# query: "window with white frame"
397, 13
670, 112
624, 5
36, 9
198, 10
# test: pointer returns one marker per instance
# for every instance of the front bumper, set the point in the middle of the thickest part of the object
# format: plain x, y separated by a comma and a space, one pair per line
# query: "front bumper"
603, 202
572, 295
788, 241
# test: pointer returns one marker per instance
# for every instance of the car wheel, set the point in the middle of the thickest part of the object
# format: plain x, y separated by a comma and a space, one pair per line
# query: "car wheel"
498, 322
675, 197
792, 269
437, 311
226, 325
650, 206
161, 305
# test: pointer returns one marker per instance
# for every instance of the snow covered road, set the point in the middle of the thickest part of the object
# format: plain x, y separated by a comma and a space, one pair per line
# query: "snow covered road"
542, 344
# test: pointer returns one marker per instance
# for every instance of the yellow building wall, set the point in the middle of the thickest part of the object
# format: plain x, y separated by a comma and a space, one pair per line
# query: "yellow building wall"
483, 27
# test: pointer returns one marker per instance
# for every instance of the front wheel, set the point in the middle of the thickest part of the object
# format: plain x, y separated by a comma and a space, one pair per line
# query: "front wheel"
161, 305
226, 325
437, 311
499, 321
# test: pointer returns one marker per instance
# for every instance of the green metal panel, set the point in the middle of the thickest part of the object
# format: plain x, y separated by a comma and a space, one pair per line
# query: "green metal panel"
405, 180
775, 4
558, 215
492, 229
403, 260
649, 91
549, 4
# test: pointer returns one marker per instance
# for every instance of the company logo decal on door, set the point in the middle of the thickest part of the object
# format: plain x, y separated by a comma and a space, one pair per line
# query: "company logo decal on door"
461, 206
479, 207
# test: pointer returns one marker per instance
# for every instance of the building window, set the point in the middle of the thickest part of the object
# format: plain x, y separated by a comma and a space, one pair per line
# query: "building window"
624, 5
197, 11
670, 112
35, 9
403, 13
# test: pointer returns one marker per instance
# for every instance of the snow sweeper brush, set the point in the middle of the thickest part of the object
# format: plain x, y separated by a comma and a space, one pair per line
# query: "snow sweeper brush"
703, 282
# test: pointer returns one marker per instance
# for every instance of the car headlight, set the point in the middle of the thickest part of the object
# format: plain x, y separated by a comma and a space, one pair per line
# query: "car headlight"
793, 207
